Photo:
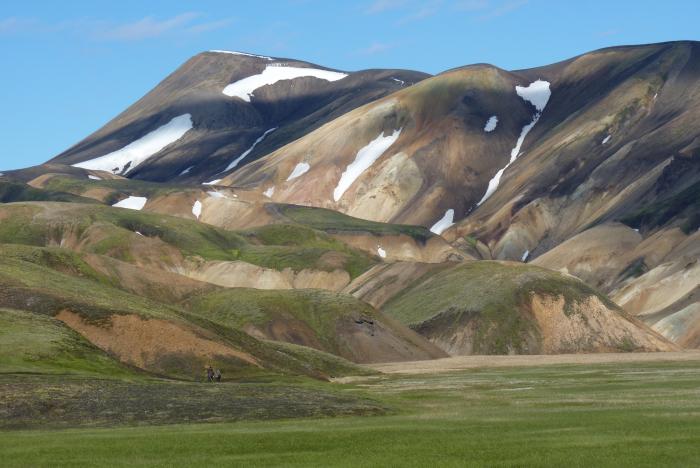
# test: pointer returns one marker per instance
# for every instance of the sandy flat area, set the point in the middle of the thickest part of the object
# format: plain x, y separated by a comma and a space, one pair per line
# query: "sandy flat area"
471, 362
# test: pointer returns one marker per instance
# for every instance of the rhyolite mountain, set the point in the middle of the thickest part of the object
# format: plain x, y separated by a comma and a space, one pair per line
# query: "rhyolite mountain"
548, 210
223, 127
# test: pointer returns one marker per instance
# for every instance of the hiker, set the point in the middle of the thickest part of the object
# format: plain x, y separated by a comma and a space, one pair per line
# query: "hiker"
217, 375
210, 373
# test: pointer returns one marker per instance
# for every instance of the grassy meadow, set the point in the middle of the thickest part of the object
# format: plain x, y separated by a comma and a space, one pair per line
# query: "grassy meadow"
642, 414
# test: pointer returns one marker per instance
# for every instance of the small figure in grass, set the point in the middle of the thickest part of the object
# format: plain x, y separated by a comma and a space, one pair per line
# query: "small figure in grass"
210, 373
217, 375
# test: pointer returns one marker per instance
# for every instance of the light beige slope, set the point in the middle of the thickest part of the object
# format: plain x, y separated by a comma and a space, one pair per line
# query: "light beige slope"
441, 160
597, 256
656, 278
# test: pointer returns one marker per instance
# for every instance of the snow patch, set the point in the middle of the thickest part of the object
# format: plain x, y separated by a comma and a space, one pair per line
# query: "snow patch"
537, 93
299, 169
525, 256
133, 154
212, 182
272, 74
235, 162
491, 124
94, 177
401, 82
235, 52
215, 194
132, 203
138, 233
606, 139
197, 209
269, 192
381, 252
446, 221
186, 171
363, 160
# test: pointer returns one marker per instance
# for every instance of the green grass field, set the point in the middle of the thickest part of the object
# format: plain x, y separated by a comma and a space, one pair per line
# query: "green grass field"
645, 414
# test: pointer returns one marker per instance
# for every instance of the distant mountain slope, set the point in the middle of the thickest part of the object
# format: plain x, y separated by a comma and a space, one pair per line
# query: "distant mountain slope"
409, 157
600, 135
192, 130
619, 133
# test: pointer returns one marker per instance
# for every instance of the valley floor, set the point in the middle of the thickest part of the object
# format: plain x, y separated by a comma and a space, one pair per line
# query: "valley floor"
455, 363
615, 413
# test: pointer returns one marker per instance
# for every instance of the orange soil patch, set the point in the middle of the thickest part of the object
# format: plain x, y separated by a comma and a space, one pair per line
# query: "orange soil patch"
385, 340
148, 282
97, 193
142, 342
590, 327
42, 180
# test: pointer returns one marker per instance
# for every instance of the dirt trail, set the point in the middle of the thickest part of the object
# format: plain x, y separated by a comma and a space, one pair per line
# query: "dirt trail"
472, 362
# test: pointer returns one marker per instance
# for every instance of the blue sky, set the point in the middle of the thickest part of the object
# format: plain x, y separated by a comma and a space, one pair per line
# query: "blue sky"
68, 67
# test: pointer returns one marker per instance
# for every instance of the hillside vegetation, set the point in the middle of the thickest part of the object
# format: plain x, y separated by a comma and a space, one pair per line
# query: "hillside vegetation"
503, 308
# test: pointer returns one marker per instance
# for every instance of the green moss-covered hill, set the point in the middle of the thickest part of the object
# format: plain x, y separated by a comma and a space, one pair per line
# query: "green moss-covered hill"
489, 307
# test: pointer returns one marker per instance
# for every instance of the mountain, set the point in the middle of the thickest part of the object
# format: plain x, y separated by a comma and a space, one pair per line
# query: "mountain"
441, 144
264, 205
509, 165
190, 129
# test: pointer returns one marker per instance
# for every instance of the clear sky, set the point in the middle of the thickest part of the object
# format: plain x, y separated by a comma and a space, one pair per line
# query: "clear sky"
70, 66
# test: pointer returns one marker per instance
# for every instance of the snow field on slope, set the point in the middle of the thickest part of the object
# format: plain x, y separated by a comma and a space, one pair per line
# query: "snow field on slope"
537, 93
235, 162
299, 169
364, 158
445, 222
235, 52
272, 74
132, 203
197, 209
491, 124
140, 150
525, 256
